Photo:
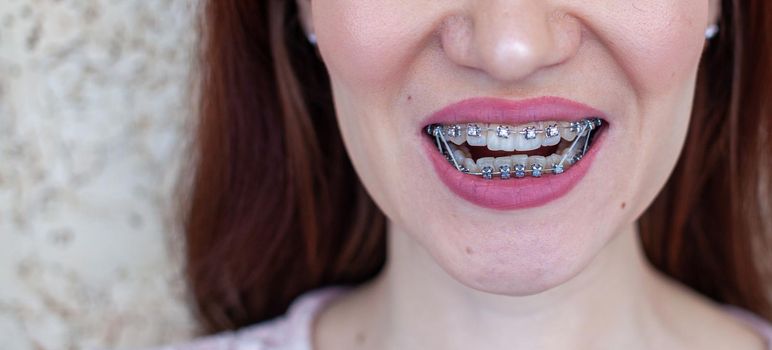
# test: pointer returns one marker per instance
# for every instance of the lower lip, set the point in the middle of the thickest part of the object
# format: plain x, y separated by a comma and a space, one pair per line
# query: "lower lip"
511, 194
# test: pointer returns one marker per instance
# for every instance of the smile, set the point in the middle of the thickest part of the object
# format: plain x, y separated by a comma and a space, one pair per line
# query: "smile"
507, 155
558, 145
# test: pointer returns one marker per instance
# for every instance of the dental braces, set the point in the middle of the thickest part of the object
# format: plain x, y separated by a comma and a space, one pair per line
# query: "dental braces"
503, 131
583, 128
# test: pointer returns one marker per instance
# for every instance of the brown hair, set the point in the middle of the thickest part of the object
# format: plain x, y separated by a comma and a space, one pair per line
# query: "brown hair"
274, 211
710, 226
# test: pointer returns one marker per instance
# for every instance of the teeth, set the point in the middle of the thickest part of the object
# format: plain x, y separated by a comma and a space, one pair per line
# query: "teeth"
507, 138
456, 134
493, 141
498, 162
476, 134
485, 162
571, 156
519, 164
487, 173
529, 138
568, 131
459, 155
537, 165
453, 130
486, 167
470, 165
551, 133
517, 138
505, 172
502, 138
503, 131
519, 159
553, 162
553, 159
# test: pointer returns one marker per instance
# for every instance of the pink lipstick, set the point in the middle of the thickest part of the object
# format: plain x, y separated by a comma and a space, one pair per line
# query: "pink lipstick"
517, 180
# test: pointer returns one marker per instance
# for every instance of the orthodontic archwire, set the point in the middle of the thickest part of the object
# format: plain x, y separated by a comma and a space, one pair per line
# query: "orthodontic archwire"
584, 129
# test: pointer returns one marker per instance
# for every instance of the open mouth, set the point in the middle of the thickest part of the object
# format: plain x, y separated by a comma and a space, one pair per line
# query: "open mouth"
498, 151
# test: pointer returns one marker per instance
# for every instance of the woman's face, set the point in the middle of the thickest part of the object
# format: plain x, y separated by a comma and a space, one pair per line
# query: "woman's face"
397, 66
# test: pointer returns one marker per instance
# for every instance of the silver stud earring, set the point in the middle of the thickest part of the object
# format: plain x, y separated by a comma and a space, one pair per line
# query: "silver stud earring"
312, 38
711, 31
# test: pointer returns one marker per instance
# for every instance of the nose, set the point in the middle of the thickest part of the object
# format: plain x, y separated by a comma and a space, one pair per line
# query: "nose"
510, 39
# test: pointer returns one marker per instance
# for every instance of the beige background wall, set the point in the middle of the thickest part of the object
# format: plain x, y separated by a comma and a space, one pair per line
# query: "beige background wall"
93, 109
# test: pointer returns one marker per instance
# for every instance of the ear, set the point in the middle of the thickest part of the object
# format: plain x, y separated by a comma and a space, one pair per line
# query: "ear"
714, 11
304, 14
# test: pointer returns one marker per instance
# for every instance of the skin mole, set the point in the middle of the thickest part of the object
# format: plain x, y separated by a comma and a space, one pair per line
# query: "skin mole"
360, 338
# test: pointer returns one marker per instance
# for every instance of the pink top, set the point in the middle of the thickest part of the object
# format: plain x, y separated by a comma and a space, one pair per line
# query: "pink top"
292, 331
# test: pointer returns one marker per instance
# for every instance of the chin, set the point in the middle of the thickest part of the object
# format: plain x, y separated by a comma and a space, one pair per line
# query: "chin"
515, 263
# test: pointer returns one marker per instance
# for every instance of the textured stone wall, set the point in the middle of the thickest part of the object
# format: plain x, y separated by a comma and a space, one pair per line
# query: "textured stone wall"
94, 109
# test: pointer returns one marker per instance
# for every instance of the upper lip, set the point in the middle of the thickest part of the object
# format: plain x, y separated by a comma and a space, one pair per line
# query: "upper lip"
513, 112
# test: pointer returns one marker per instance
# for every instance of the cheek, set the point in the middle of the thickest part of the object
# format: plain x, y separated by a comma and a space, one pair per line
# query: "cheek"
371, 43
657, 43
658, 50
